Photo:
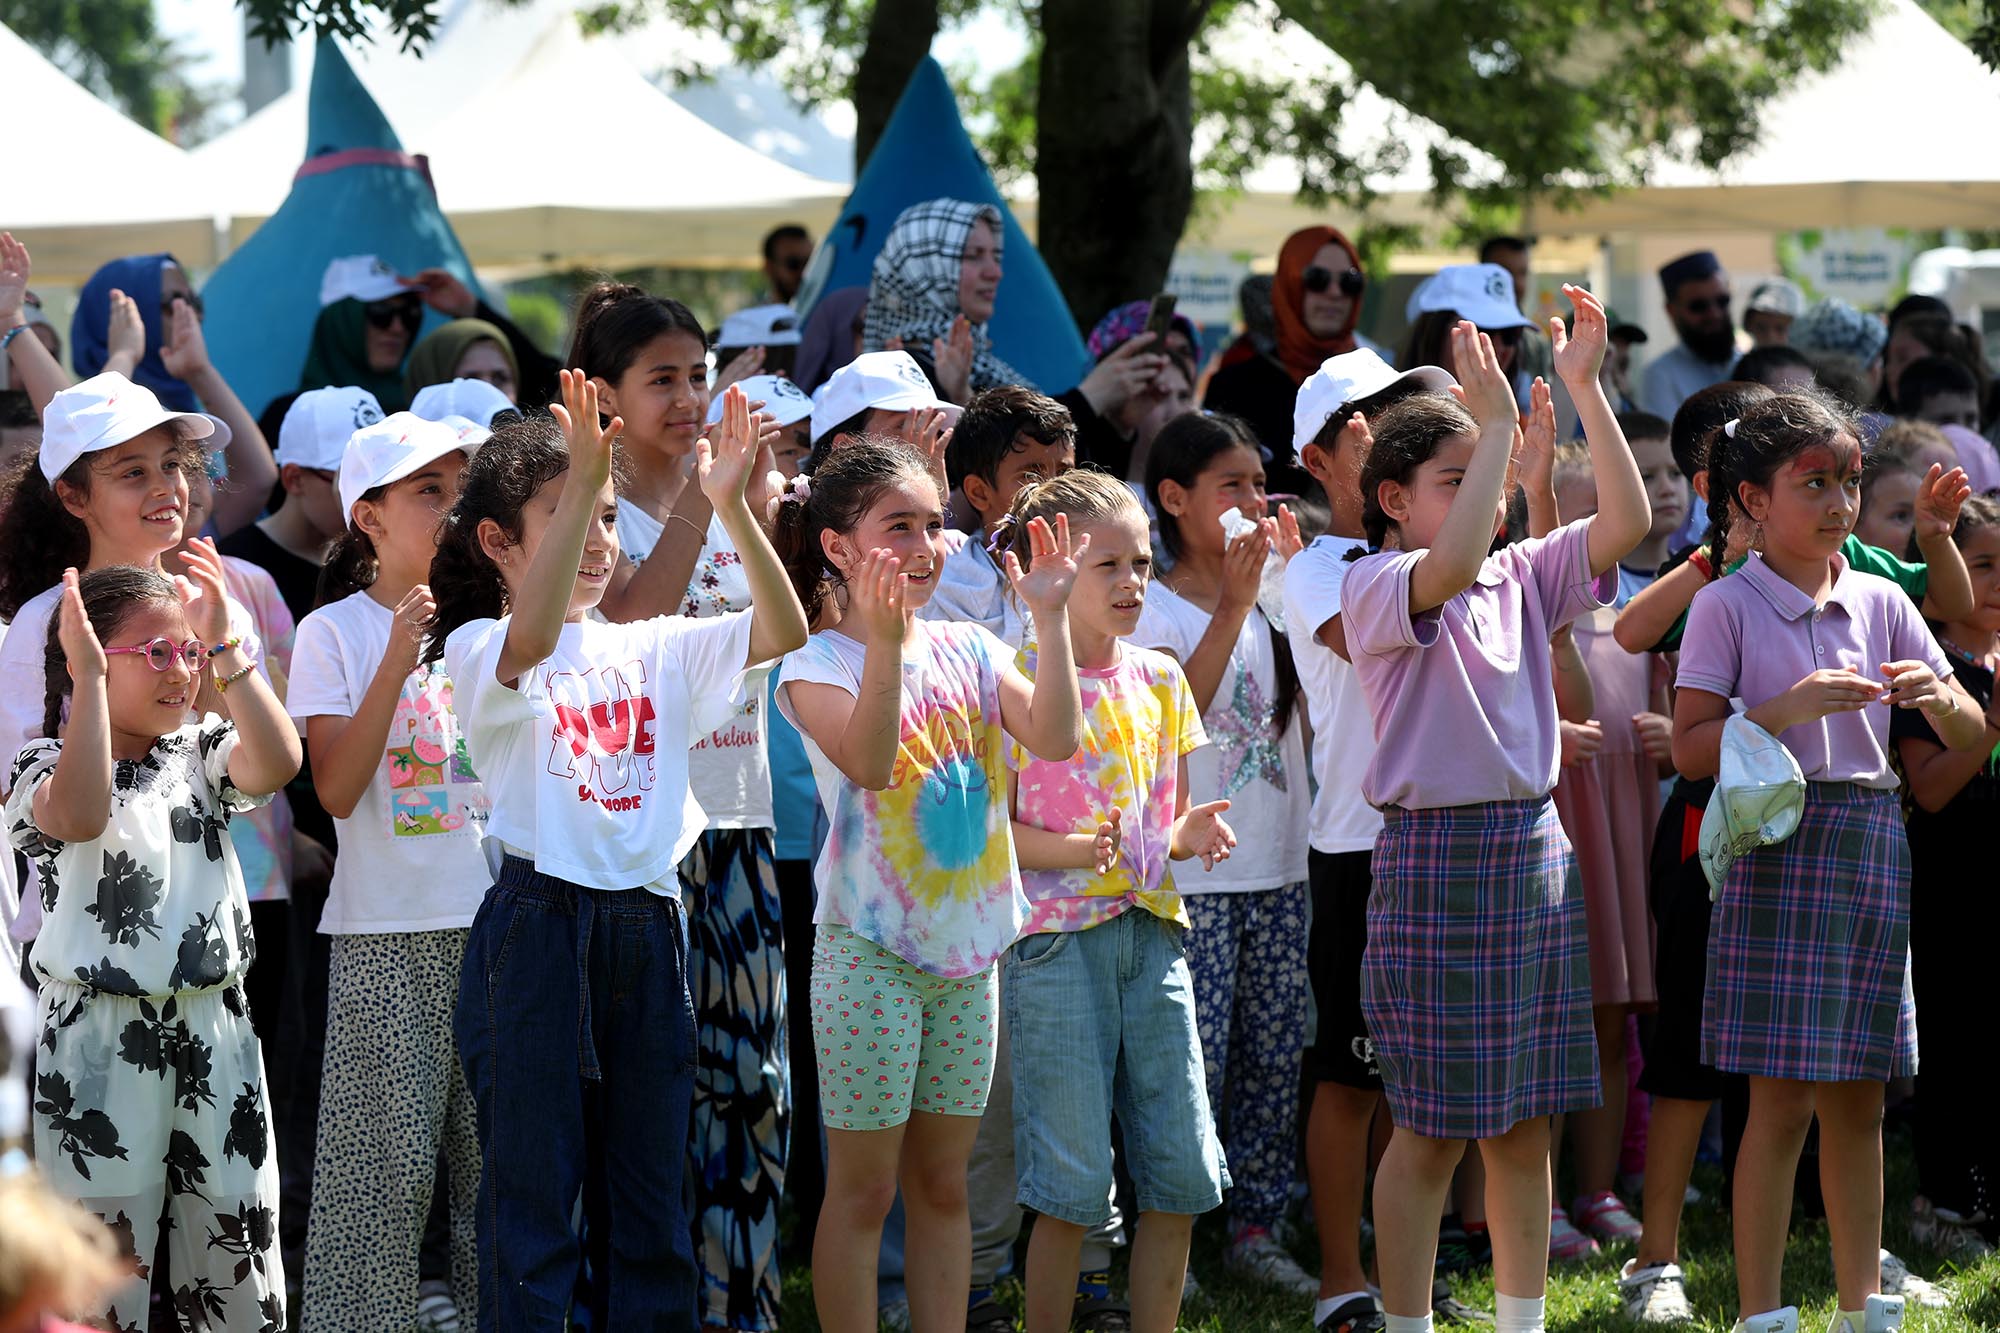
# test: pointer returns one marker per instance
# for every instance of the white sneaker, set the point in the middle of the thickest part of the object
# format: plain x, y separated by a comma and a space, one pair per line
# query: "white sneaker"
1256, 1254
1898, 1280
1882, 1314
1655, 1294
1946, 1232
1777, 1321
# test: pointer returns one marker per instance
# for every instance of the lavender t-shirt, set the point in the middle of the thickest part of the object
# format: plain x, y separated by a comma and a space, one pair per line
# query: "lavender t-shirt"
1864, 622
1464, 694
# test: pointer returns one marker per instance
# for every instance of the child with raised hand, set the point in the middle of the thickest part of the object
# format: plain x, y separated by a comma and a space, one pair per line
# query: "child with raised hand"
389, 765
1247, 950
573, 1017
907, 722
1475, 985
1100, 1008
1808, 975
150, 1099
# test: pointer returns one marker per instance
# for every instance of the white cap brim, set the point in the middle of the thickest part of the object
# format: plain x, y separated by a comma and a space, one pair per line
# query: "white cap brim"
354, 487
200, 426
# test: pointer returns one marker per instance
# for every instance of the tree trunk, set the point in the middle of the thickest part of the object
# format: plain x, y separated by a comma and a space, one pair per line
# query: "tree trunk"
1114, 146
900, 33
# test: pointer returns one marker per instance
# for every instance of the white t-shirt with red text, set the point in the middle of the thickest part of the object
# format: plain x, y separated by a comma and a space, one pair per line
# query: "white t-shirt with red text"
585, 757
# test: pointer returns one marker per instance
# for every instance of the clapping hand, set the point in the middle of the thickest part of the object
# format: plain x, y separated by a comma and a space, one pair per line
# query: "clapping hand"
589, 442
1052, 564
1579, 351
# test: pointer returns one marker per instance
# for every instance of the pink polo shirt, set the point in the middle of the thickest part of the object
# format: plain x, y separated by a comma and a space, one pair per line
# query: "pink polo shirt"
1864, 622
1464, 694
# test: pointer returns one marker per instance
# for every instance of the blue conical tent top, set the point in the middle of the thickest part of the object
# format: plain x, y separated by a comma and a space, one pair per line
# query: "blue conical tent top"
925, 153
358, 193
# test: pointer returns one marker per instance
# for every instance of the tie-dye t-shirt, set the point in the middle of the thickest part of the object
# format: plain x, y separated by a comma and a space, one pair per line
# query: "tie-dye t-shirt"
1139, 718
924, 867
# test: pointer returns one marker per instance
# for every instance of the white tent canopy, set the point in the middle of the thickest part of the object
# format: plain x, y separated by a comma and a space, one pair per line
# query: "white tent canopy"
1830, 153
84, 183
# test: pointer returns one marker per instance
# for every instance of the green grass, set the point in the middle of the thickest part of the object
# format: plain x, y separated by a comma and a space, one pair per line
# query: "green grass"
1583, 1298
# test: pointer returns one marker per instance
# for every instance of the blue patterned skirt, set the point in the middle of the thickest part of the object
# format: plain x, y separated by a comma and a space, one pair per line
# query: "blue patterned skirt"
1476, 981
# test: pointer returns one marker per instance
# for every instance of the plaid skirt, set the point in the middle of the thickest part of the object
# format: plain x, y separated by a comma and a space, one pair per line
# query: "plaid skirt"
1476, 980
1809, 954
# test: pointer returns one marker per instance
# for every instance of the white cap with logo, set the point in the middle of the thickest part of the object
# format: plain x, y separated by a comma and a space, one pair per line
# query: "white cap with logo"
888, 381
759, 326
363, 277
107, 410
392, 449
318, 423
784, 402
1348, 378
1482, 293
475, 400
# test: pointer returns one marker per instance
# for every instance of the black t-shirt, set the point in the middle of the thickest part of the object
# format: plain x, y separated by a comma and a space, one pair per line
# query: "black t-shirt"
296, 577
1957, 840
1261, 392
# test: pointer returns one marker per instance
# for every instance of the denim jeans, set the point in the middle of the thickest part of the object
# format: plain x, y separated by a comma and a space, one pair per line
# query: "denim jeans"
577, 1034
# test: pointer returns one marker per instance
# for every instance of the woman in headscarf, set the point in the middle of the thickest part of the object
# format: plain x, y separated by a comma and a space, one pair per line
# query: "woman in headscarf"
831, 337
464, 349
153, 282
939, 265
362, 344
1315, 303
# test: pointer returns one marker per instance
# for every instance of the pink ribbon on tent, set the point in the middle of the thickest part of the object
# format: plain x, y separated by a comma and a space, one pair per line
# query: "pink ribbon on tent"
367, 157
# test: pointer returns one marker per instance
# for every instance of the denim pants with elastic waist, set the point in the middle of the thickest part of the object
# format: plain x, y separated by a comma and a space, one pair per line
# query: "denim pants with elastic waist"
577, 1033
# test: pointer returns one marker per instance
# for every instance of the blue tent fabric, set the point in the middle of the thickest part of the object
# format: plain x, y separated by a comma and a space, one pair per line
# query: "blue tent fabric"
357, 194
925, 153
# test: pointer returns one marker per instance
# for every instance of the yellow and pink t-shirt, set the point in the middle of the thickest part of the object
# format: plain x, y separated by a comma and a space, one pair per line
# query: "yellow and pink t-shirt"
1139, 719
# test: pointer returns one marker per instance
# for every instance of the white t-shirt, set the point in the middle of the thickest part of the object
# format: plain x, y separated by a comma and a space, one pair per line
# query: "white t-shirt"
409, 855
1262, 773
585, 757
1343, 728
22, 703
730, 768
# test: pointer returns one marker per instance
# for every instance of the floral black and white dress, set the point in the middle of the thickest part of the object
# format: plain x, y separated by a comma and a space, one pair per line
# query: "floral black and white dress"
149, 1093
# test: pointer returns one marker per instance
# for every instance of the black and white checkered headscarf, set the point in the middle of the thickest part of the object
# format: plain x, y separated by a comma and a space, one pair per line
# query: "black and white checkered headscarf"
913, 293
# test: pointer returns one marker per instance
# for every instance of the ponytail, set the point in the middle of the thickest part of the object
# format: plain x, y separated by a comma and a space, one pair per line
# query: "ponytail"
351, 565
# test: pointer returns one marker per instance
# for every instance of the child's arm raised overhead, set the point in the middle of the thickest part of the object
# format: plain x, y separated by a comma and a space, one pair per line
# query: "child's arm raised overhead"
252, 469
1046, 716
1948, 592
74, 804
1538, 460
34, 369
542, 603
347, 751
1623, 513
1450, 564
777, 621
267, 743
859, 732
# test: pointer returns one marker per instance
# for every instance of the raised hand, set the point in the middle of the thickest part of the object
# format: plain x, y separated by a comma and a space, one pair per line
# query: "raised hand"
1204, 833
1290, 540
202, 592
15, 269
1109, 839
184, 347
444, 293
81, 649
1130, 369
1538, 439
875, 597
952, 356
411, 621
726, 457
1243, 565
1052, 564
928, 431
124, 335
1579, 351
1938, 500
748, 362
1482, 386
589, 442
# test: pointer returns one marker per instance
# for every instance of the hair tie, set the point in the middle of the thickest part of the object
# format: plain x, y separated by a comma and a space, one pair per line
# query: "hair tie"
1729, 427
1000, 531
800, 489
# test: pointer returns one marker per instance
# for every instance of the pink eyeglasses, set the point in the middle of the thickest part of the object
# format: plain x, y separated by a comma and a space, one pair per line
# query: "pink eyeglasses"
160, 653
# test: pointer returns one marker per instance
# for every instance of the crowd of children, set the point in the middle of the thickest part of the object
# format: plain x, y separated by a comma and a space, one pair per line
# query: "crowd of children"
774, 830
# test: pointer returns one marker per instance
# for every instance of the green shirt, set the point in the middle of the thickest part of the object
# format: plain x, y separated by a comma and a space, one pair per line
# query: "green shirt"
1912, 579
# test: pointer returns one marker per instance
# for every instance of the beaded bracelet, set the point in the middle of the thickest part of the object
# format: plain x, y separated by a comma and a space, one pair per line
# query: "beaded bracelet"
234, 641
222, 683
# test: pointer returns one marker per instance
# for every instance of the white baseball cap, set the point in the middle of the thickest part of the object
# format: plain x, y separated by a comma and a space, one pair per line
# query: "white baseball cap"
392, 449
470, 433
475, 400
318, 424
760, 326
1482, 293
1777, 296
363, 277
890, 381
1347, 378
106, 410
784, 402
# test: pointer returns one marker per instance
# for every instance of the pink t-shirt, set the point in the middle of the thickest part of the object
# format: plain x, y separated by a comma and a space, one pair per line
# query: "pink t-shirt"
1463, 694
1864, 622
1139, 718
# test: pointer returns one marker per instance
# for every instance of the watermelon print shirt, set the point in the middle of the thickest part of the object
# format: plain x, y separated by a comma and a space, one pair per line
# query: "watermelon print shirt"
925, 868
1139, 718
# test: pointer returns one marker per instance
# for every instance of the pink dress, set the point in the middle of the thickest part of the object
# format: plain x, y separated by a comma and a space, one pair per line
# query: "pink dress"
1609, 805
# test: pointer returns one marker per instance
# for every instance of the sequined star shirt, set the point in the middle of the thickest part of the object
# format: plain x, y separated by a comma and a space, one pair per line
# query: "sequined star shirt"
1257, 766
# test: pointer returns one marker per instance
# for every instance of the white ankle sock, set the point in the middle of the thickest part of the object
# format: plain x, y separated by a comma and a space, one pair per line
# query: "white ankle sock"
1519, 1314
1402, 1323
1326, 1307
1848, 1321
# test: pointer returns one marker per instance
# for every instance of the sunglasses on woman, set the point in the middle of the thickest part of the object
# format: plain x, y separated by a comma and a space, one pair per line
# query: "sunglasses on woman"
1319, 279
1504, 337
160, 653
408, 310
